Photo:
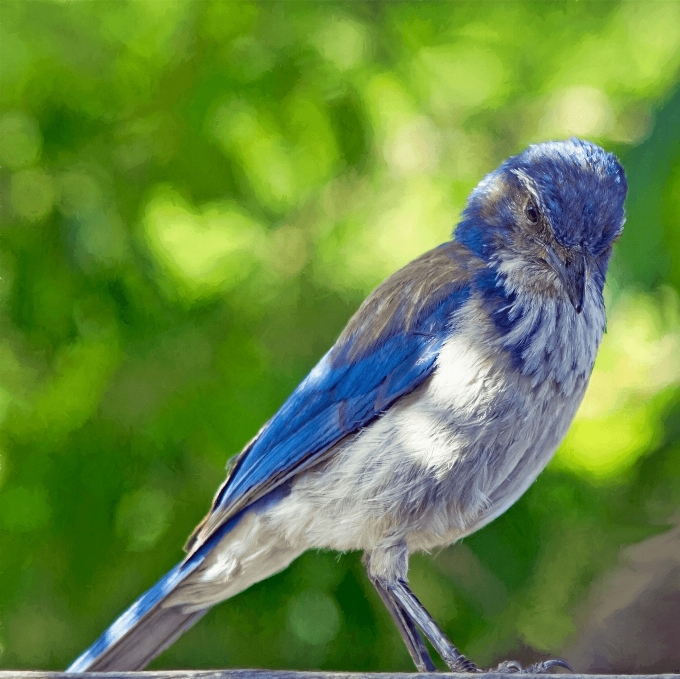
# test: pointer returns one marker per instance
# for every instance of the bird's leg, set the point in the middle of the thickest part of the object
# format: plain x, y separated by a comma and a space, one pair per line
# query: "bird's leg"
409, 632
414, 610
456, 661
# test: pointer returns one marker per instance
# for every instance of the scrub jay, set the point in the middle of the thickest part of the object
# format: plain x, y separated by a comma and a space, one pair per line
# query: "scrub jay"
440, 403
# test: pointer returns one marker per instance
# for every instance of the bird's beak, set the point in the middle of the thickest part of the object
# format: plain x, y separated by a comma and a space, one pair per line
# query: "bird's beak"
571, 268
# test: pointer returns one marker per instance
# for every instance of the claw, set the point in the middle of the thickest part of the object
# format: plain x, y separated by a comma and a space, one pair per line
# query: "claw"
464, 665
545, 666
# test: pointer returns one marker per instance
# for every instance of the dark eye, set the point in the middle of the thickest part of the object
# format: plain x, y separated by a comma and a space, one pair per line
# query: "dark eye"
531, 212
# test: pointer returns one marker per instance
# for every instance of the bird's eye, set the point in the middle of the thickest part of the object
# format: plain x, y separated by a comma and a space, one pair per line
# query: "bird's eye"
531, 212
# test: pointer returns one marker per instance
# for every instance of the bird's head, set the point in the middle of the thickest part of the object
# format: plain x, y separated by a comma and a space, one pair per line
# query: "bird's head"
547, 218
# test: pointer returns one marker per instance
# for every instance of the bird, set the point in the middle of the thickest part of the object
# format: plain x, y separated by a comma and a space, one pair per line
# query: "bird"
441, 401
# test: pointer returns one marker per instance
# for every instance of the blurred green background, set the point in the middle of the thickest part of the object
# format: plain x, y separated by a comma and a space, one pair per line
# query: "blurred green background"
195, 197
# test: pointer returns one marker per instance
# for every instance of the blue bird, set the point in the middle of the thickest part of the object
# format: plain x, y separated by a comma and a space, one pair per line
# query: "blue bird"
440, 403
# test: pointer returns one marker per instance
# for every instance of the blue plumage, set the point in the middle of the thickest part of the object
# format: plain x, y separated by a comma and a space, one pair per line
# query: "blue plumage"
353, 383
441, 401
338, 398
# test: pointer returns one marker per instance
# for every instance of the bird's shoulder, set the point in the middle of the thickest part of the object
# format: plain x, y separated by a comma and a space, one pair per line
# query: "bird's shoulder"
414, 300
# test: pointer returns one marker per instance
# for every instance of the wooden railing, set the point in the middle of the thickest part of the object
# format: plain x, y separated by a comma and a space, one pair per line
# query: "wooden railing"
277, 674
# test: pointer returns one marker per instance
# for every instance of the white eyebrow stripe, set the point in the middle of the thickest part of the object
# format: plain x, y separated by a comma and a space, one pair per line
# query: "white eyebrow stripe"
528, 184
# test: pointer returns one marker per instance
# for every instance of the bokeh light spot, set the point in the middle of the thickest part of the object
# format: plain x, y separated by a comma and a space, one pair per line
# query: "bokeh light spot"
342, 41
20, 140
581, 111
460, 77
313, 617
142, 517
32, 194
414, 148
204, 253
261, 150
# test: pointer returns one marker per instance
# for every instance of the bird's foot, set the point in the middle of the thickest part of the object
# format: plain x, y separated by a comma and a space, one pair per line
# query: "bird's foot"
543, 667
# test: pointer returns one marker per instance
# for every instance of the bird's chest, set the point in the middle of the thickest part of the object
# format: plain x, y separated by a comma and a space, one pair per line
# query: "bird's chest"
498, 407
489, 382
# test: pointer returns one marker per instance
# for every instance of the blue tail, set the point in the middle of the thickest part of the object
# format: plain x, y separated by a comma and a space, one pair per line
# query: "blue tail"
147, 627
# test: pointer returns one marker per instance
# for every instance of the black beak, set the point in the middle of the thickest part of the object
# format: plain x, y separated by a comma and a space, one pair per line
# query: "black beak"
572, 270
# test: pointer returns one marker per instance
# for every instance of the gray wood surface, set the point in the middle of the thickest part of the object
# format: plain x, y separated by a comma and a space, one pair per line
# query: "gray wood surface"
276, 674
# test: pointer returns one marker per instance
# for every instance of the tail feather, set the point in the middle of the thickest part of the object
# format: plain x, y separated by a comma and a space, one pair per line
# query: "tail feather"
134, 652
148, 627
142, 631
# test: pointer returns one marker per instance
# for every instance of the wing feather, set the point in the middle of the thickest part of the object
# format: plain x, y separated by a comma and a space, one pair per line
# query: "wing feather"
389, 347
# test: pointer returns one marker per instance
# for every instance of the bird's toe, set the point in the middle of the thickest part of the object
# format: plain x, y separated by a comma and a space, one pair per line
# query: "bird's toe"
507, 666
465, 665
543, 667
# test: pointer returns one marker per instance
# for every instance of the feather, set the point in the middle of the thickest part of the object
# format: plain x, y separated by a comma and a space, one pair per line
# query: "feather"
148, 627
388, 348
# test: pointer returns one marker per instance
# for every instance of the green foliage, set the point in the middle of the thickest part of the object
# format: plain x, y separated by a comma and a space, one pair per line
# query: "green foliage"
195, 196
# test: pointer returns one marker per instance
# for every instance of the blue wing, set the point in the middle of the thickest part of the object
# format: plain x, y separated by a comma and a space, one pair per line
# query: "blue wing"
388, 349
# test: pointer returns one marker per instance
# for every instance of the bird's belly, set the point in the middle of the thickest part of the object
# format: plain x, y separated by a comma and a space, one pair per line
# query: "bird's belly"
439, 464
493, 459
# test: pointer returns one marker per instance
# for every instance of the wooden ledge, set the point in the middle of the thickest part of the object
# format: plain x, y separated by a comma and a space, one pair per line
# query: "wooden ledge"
284, 674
